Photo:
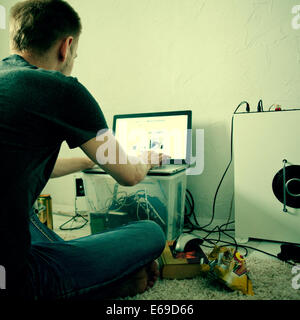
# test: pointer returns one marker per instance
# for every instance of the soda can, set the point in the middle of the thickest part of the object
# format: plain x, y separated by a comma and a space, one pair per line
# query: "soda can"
45, 211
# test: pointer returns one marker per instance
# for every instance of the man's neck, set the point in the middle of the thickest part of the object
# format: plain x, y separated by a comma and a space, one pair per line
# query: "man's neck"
39, 61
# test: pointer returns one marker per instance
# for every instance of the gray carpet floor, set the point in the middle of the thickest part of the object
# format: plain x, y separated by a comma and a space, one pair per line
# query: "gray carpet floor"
271, 279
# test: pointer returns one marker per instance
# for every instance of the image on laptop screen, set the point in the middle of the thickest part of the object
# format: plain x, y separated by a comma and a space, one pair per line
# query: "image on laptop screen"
164, 132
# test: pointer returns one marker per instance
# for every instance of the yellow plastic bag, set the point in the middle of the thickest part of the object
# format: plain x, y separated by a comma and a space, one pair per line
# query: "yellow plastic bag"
229, 267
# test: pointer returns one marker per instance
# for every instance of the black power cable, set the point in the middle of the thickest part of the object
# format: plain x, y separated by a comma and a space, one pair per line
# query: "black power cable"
225, 172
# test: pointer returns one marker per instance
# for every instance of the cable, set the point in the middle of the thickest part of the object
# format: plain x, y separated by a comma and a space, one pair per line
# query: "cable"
260, 107
243, 102
231, 157
190, 200
224, 174
219, 229
230, 210
273, 105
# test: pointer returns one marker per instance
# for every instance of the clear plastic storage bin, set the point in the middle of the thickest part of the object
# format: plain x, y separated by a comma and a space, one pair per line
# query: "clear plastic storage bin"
157, 198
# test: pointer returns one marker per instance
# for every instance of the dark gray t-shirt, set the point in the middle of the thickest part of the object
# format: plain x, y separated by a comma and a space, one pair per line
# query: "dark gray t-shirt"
39, 109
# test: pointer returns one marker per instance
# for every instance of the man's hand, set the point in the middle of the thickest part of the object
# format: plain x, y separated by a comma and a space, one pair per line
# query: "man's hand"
154, 159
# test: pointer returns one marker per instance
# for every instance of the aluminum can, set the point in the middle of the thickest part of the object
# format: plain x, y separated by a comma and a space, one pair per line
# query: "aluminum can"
45, 213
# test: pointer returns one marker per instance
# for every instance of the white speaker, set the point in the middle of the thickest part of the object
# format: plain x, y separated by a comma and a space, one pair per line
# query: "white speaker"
266, 157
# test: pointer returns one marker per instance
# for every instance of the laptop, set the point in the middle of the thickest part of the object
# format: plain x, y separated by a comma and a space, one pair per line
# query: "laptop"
164, 132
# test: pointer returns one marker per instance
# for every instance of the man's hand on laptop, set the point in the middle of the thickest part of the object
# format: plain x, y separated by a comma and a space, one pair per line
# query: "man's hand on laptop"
155, 159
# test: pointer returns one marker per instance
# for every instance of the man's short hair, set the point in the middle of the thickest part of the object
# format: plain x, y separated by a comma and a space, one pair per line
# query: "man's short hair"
37, 24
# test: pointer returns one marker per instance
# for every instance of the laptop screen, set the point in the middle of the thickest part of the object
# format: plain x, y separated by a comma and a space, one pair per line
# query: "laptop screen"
165, 132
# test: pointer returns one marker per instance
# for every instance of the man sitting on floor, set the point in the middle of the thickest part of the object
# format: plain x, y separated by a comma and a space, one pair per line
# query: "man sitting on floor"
40, 107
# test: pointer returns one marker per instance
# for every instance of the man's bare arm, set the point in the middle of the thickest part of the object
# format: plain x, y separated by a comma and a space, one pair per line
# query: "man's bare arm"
121, 167
66, 166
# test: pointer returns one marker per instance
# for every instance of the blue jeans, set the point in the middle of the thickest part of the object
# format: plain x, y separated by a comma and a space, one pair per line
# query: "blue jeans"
88, 267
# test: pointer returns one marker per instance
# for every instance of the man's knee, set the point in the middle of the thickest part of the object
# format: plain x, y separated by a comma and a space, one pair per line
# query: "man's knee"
152, 233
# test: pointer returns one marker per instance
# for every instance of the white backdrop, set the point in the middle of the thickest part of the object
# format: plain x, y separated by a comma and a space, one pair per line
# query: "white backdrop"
204, 55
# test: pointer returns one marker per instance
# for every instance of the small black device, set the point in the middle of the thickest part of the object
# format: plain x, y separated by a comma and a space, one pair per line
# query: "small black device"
79, 192
79, 187
289, 252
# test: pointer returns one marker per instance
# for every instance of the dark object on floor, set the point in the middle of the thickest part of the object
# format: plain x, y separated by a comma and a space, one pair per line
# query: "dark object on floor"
182, 265
289, 252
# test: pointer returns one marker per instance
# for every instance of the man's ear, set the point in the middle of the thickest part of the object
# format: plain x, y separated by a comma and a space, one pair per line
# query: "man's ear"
64, 48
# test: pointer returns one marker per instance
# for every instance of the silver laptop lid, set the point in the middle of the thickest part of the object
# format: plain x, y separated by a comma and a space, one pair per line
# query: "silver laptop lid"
166, 132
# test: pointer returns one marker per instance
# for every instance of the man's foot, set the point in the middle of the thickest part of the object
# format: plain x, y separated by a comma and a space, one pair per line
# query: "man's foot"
153, 273
141, 281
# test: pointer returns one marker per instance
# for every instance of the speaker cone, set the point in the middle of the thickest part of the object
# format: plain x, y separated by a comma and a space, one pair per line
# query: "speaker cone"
287, 186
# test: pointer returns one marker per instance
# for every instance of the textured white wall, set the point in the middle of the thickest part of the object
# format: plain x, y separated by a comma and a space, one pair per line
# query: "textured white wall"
208, 56
152, 55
